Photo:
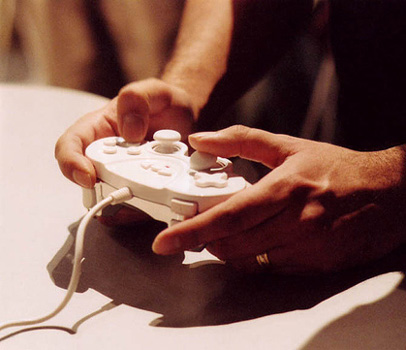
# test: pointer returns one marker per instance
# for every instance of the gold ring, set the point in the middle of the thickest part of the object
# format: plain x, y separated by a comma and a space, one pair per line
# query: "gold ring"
263, 260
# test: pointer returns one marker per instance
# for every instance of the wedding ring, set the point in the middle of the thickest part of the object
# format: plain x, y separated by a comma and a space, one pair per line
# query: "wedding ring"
263, 260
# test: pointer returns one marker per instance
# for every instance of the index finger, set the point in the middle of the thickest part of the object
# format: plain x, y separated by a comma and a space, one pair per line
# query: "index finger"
239, 213
70, 147
249, 143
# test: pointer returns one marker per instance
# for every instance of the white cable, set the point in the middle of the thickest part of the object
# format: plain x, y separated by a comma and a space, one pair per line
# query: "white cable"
115, 197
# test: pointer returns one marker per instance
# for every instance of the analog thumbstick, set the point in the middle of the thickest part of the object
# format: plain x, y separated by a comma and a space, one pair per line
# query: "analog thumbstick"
166, 140
203, 161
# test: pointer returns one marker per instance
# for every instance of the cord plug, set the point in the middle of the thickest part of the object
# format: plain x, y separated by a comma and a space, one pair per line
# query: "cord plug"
121, 195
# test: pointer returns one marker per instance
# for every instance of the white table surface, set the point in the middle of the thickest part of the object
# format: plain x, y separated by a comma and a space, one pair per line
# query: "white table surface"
131, 299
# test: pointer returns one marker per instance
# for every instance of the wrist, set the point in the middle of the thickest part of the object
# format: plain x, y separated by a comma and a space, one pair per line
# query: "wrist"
200, 56
391, 164
387, 167
190, 80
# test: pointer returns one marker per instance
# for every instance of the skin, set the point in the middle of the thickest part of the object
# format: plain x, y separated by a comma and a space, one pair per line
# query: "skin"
199, 61
173, 101
140, 109
322, 208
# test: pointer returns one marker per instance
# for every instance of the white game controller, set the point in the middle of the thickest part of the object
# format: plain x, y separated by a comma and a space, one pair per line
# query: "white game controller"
157, 177
165, 183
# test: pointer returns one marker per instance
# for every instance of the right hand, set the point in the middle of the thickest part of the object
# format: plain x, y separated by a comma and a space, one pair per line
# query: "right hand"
140, 109
322, 208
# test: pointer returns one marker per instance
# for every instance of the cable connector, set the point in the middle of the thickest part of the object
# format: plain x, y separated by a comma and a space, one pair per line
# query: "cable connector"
121, 195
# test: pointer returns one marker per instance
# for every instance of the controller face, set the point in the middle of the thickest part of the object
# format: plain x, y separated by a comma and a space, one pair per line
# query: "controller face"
165, 183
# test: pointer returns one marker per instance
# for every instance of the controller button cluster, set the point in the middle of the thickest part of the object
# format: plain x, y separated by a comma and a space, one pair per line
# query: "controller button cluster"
158, 167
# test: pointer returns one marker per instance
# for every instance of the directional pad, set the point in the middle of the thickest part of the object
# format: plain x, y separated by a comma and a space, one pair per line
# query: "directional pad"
211, 180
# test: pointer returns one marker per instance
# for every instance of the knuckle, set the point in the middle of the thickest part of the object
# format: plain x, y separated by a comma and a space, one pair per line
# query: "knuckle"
239, 130
129, 92
139, 86
313, 212
302, 187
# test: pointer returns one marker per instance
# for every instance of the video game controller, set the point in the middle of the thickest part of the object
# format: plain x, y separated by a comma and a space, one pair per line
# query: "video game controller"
165, 183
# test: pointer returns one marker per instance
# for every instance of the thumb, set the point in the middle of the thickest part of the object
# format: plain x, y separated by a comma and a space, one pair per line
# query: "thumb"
249, 143
136, 102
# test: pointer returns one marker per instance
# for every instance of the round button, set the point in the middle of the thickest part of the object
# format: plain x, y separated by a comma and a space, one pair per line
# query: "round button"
111, 141
134, 150
109, 149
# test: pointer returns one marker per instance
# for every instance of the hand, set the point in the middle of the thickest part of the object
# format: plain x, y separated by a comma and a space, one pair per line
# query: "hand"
321, 208
136, 113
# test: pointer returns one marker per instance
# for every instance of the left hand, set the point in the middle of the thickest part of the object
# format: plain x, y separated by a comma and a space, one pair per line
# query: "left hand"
140, 109
322, 207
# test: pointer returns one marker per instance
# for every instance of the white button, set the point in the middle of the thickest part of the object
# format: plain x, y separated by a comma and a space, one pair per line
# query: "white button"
146, 164
166, 171
134, 150
166, 136
211, 180
184, 208
157, 167
111, 141
166, 141
109, 149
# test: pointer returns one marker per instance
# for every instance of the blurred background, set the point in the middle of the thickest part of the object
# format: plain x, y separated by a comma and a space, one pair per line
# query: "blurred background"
100, 45
96, 46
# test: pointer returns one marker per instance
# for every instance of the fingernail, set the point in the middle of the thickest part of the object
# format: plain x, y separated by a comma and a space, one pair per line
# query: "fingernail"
133, 127
166, 245
83, 179
204, 135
